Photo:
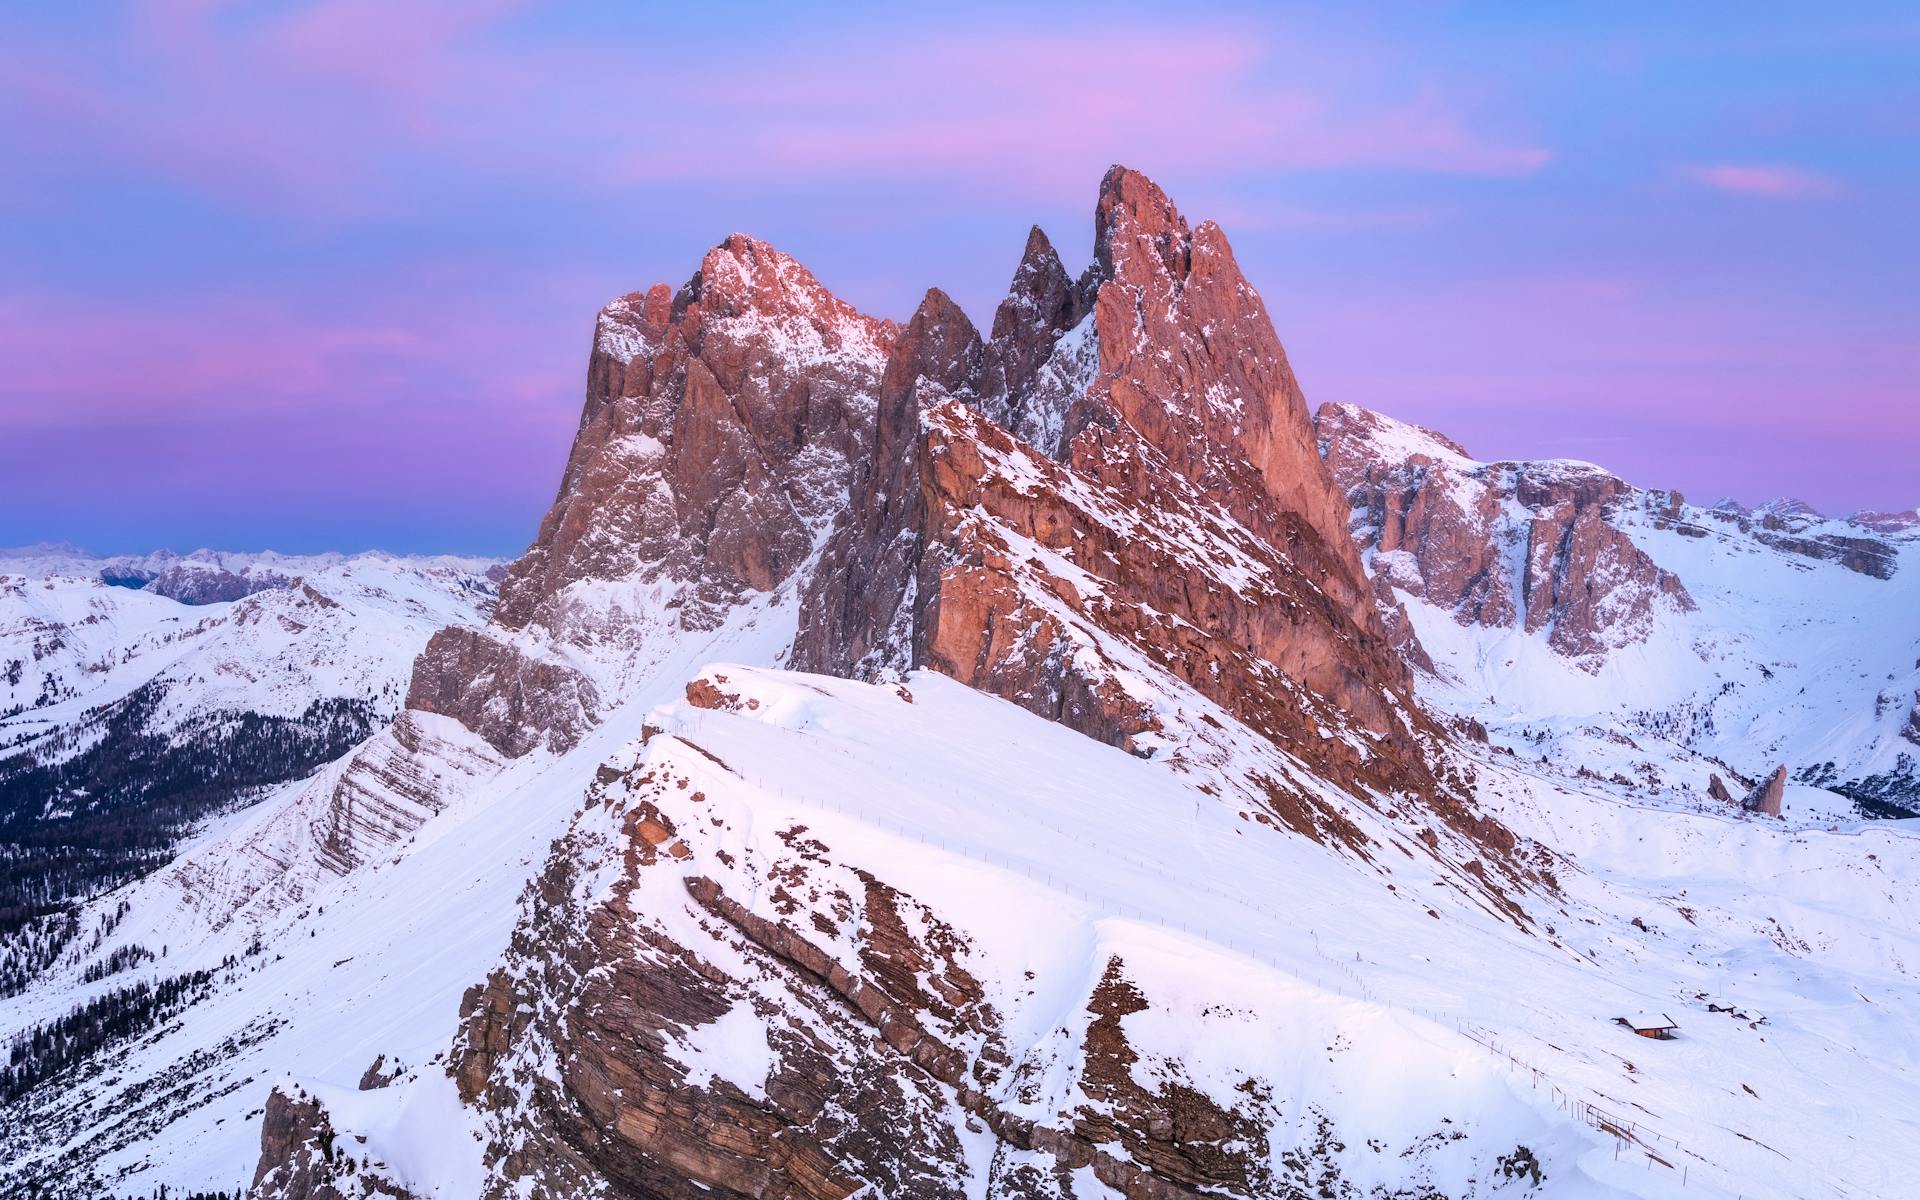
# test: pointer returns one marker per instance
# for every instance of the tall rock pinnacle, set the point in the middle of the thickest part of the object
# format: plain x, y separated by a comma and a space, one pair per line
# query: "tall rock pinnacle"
1141, 423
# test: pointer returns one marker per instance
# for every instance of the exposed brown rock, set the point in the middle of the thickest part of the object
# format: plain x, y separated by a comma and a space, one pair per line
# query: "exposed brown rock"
999, 620
301, 1157
378, 1074
1190, 360
849, 1099
1897, 524
1144, 425
1765, 798
860, 599
213, 585
1717, 789
721, 429
1042, 303
515, 702
1441, 526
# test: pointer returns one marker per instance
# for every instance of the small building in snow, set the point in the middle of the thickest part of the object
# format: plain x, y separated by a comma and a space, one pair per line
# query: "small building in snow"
1659, 1027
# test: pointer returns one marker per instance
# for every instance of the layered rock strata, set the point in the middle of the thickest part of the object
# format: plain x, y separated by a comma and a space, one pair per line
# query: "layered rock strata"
1523, 544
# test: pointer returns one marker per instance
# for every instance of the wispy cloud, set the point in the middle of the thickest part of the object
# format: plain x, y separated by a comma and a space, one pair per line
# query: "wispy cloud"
346, 106
1752, 179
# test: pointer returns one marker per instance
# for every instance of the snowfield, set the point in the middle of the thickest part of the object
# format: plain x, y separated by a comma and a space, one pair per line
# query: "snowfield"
1055, 854
1381, 1017
327, 626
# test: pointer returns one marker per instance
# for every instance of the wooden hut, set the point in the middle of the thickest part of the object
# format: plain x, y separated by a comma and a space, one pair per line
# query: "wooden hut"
1660, 1027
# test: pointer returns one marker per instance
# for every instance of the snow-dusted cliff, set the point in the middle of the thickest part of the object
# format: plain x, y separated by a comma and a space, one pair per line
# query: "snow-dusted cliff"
1145, 838
1566, 610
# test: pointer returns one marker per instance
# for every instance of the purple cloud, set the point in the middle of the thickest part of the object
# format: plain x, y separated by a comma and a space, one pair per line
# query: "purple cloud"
312, 108
1755, 180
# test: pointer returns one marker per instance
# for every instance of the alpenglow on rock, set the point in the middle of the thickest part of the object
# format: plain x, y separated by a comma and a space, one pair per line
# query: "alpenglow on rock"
1126, 447
1524, 544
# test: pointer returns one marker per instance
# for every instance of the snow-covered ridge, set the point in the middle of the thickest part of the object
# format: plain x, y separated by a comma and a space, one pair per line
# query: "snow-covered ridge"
1796, 643
73, 639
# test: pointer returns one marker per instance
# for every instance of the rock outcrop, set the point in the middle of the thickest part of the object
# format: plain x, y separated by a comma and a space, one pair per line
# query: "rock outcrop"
394, 783
722, 426
302, 1158
1866, 543
722, 430
1529, 545
1766, 796
516, 702
1892, 524
213, 585
1126, 468
858, 610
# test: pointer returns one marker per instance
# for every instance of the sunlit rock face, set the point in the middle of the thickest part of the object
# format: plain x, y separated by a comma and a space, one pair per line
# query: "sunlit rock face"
1126, 466
1524, 544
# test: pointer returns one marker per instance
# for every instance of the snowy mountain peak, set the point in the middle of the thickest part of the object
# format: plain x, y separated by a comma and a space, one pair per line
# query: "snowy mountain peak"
913, 764
1546, 592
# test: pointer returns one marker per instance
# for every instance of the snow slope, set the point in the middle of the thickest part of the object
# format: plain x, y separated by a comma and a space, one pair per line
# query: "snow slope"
1786, 653
330, 626
350, 967
1055, 854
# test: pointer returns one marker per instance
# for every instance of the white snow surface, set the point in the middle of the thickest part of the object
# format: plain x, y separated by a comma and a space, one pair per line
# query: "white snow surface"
1394, 1011
1264, 953
344, 626
1784, 658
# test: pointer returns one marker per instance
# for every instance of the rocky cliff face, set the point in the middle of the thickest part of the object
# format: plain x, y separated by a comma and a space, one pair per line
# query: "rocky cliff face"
302, 1157
689, 1011
1766, 796
1126, 467
1556, 587
1527, 545
1864, 543
723, 427
1112, 513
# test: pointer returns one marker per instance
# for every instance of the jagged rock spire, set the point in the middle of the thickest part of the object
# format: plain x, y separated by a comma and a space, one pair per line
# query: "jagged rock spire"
1134, 224
859, 605
1766, 796
1043, 302
1155, 381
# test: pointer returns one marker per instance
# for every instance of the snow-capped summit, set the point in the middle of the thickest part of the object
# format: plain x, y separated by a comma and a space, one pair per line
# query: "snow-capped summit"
910, 763
1553, 594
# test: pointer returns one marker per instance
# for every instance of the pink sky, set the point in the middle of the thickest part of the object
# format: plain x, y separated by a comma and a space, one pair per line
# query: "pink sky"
323, 274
